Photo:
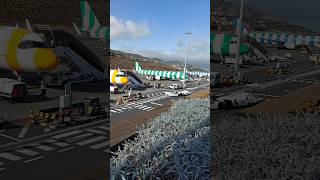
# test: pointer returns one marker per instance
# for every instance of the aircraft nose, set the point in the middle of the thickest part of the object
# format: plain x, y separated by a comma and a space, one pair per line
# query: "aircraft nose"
45, 59
124, 80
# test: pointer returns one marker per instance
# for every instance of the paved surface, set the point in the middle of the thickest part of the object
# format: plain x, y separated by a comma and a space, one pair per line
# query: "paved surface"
78, 149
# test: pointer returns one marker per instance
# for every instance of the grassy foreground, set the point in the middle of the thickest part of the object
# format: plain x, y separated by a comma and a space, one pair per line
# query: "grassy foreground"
174, 145
267, 147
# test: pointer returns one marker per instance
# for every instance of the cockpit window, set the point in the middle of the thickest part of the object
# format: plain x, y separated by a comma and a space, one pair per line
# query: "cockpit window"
120, 75
27, 44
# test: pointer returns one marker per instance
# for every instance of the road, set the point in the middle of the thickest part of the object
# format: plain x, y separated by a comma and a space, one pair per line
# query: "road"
74, 151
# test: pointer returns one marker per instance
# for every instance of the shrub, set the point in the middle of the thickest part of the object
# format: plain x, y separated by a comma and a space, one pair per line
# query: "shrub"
174, 145
267, 147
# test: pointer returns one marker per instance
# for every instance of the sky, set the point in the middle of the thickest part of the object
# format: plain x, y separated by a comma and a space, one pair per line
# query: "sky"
156, 28
299, 12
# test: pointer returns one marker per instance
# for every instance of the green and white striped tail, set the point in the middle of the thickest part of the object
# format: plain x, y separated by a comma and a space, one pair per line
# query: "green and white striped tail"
91, 24
164, 74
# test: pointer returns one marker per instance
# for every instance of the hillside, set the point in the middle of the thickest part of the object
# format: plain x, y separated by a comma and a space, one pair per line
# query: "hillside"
125, 60
49, 12
225, 12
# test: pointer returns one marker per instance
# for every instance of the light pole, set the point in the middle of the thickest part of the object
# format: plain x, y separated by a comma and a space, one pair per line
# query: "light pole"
185, 60
239, 24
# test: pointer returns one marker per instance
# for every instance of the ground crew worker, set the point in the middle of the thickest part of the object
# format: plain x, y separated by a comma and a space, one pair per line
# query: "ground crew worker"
129, 94
43, 89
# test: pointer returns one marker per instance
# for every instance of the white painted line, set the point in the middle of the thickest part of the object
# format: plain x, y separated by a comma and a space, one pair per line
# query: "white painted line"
79, 137
94, 131
33, 159
10, 157
61, 144
9, 137
27, 152
45, 148
267, 95
23, 132
65, 149
97, 146
91, 140
309, 81
148, 95
138, 106
67, 134
113, 111
144, 109
150, 109
120, 110
1, 169
152, 95
104, 128
156, 103
124, 108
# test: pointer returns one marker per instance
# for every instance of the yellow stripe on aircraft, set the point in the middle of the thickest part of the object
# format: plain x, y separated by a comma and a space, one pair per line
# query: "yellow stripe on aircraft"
113, 78
11, 56
45, 59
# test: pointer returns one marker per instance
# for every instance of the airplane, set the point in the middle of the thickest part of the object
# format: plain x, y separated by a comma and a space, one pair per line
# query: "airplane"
226, 45
197, 73
22, 50
174, 75
286, 40
118, 77
91, 24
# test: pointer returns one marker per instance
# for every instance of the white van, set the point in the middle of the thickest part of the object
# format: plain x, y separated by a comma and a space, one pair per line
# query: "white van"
12, 89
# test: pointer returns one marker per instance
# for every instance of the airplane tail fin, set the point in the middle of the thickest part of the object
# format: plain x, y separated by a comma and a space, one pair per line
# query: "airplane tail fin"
137, 67
90, 23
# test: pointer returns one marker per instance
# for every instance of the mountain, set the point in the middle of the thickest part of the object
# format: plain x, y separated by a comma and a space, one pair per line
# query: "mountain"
126, 60
54, 12
224, 12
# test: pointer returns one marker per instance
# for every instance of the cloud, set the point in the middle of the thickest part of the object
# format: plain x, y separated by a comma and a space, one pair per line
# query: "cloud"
198, 52
126, 29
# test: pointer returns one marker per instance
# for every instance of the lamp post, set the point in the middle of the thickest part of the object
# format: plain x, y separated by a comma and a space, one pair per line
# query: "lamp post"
185, 60
239, 24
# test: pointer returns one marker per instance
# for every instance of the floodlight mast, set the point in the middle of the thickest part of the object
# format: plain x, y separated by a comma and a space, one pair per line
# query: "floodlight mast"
239, 25
188, 34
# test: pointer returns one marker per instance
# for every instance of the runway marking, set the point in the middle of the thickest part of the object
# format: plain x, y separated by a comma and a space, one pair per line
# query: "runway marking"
61, 144
138, 106
97, 146
79, 137
65, 149
152, 95
1, 169
27, 152
67, 134
150, 109
95, 131
120, 110
91, 140
156, 103
10, 157
9, 137
146, 108
114, 111
267, 95
104, 128
33, 159
148, 95
44, 147
23, 132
